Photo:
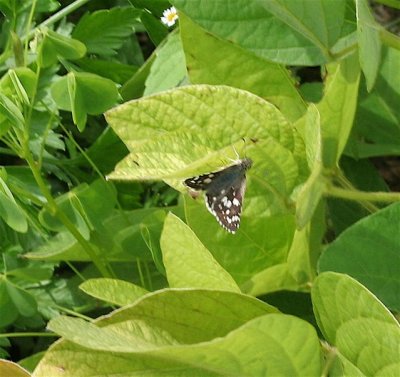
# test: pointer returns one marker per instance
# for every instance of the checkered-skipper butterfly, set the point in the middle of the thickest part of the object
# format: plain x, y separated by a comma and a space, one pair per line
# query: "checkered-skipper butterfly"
224, 192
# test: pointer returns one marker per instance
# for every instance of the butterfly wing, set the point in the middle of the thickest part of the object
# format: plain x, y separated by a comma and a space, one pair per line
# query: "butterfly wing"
227, 208
201, 182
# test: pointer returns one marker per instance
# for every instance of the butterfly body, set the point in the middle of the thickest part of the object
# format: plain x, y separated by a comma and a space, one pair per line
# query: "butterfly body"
224, 192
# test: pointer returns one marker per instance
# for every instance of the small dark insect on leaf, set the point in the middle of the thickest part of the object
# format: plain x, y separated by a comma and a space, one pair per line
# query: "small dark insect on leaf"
224, 192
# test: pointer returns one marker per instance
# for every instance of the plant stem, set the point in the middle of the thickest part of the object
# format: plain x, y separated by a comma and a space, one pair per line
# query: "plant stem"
54, 210
363, 195
330, 357
346, 184
56, 17
25, 334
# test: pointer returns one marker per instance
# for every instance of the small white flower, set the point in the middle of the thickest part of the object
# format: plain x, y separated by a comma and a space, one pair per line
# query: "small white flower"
169, 16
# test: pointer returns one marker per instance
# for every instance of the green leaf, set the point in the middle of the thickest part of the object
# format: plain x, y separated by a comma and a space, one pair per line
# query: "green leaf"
20, 82
354, 252
369, 42
156, 30
274, 338
272, 279
357, 324
10, 111
320, 21
309, 197
305, 249
380, 107
115, 71
12, 213
84, 93
122, 228
117, 292
211, 60
182, 133
23, 301
135, 86
9, 312
249, 251
200, 135
192, 315
81, 206
192, 266
338, 107
55, 46
288, 32
104, 31
168, 69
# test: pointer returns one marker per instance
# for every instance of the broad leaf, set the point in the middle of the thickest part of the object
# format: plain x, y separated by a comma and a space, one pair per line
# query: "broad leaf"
168, 69
276, 30
280, 344
377, 130
84, 93
211, 60
197, 129
357, 324
369, 251
187, 262
115, 291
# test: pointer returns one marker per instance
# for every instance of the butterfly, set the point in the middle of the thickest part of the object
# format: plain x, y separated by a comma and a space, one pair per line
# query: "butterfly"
224, 192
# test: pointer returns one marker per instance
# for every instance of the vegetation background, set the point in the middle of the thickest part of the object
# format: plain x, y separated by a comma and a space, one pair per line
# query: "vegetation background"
104, 111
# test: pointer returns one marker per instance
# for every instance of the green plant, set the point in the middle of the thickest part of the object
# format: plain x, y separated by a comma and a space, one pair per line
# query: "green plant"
318, 241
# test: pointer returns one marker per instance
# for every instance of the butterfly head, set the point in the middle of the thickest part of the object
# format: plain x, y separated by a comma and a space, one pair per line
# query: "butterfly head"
246, 163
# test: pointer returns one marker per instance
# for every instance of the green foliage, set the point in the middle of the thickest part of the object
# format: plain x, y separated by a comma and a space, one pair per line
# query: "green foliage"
105, 111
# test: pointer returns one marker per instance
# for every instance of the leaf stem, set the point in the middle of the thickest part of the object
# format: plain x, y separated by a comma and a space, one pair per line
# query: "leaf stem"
346, 184
25, 334
357, 195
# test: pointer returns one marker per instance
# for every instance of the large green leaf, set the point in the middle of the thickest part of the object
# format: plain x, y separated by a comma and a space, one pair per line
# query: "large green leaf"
211, 60
194, 332
187, 262
276, 344
183, 132
369, 251
357, 324
288, 32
